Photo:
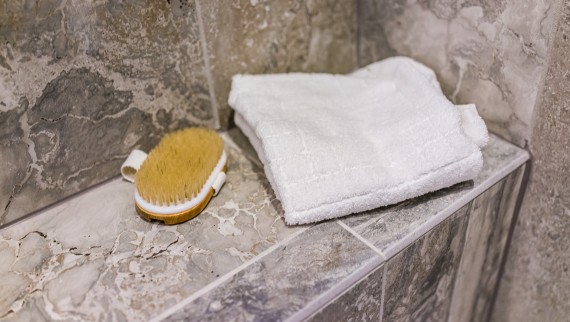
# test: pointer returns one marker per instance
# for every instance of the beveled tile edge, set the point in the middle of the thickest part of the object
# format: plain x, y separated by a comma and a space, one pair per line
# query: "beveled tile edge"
383, 296
381, 266
361, 238
424, 228
345, 285
518, 201
207, 69
222, 279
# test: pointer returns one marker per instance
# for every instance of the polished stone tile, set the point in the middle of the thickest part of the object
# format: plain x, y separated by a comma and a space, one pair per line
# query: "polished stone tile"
93, 258
419, 280
84, 82
485, 241
280, 284
392, 228
491, 53
536, 283
257, 37
362, 302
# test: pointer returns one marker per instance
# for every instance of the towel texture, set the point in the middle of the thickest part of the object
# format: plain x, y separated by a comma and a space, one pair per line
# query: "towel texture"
334, 145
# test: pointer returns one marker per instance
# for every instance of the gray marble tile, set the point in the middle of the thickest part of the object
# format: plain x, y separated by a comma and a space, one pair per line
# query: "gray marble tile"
536, 283
362, 302
419, 280
257, 37
491, 53
84, 82
392, 228
281, 283
93, 258
486, 237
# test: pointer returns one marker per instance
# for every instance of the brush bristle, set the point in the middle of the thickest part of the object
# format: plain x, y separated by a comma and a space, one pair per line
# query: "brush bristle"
178, 167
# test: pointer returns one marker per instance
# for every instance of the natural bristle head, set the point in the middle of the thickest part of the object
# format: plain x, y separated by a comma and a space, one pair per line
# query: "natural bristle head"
178, 167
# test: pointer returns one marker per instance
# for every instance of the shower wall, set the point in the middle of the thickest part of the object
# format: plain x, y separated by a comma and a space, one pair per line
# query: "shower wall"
82, 83
536, 283
509, 58
491, 53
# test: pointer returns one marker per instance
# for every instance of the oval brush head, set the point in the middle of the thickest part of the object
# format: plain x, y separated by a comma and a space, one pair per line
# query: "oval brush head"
175, 182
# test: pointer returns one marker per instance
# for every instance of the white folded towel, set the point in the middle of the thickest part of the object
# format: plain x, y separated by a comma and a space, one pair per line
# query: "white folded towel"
334, 145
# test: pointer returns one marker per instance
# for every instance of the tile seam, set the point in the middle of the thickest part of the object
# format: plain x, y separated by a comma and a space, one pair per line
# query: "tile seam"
205, 55
383, 295
344, 285
362, 239
341, 294
326, 297
207, 288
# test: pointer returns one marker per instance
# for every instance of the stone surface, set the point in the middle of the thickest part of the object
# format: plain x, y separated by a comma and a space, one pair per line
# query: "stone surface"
269, 36
113, 265
490, 219
362, 302
284, 281
419, 280
491, 53
536, 284
392, 228
82, 83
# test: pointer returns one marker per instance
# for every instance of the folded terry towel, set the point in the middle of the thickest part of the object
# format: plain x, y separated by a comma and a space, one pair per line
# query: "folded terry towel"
334, 145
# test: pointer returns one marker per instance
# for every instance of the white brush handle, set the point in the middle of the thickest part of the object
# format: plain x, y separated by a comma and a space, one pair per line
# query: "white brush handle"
132, 164
219, 182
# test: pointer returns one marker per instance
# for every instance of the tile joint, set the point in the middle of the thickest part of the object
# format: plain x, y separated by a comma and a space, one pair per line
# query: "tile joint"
207, 288
208, 70
362, 239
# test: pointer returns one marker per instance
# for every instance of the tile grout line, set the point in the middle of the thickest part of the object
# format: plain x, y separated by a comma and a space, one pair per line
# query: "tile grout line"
362, 239
335, 291
205, 55
175, 308
345, 291
348, 282
383, 296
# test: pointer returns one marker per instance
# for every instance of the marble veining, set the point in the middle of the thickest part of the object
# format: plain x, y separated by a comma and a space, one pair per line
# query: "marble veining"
490, 220
84, 82
281, 283
94, 258
362, 302
419, 280
491, 53
392, 228
258, 37
536, 283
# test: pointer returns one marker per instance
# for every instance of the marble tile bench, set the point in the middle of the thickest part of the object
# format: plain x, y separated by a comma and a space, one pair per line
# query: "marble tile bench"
92, 258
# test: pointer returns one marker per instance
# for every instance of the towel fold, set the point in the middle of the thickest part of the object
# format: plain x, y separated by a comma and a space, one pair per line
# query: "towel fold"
333, 145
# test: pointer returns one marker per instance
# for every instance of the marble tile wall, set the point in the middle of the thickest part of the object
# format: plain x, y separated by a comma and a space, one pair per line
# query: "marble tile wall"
419, 280
84, 82
362, 302
484, 250
448, 274
281, 283
277, 36
536, 283
491, 53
